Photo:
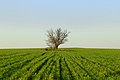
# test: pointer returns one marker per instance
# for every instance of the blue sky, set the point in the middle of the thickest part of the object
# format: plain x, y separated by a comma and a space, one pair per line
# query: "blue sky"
92, 23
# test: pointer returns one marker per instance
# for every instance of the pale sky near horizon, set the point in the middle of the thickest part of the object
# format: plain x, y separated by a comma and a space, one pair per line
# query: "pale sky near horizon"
92, 23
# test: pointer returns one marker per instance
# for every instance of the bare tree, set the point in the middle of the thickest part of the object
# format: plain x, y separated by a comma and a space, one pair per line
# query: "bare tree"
57, 37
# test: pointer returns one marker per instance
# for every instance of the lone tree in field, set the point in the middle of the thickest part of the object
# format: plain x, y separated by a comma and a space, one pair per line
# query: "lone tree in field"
57, 37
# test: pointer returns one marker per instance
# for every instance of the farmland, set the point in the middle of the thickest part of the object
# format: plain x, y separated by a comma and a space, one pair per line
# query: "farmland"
62, 64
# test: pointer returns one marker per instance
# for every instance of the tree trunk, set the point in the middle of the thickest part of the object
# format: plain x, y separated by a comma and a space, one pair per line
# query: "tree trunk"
56, 47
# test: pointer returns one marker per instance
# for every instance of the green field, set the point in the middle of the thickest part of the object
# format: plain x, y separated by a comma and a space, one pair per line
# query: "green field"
63, 64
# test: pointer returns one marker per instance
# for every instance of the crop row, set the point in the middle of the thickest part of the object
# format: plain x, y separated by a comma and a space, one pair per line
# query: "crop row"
58, 65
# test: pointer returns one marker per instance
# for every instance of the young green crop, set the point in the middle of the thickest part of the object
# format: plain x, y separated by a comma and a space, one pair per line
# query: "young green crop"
61, 64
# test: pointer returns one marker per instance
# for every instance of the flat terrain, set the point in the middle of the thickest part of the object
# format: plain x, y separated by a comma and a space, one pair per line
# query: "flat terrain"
63, 64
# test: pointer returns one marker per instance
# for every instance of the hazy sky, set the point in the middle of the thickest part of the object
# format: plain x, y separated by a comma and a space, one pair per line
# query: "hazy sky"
92, 23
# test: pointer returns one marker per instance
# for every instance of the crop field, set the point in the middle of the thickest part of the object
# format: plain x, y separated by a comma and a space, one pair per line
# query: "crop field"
62, 64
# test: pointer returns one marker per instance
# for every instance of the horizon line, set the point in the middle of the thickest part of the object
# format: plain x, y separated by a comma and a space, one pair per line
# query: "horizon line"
59, 47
